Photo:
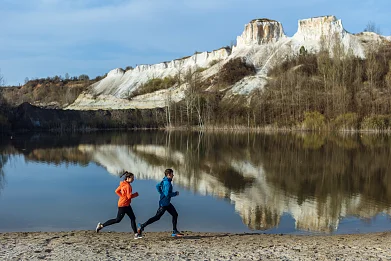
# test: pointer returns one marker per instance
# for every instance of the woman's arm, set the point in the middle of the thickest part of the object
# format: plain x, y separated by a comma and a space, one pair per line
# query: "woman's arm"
133, 195
118, 191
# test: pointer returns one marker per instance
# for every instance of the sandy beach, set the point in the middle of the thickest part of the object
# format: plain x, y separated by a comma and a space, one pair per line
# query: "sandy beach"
88, 245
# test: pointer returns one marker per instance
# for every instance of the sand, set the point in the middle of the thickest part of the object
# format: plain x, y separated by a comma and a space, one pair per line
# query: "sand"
89, 245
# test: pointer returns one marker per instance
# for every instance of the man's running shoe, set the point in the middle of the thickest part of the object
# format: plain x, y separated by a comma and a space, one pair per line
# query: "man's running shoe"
177, 234
139, 230
98, 227
137, 236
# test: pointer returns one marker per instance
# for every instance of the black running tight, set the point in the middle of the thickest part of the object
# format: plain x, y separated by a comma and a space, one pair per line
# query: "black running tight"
159, 213
121, 213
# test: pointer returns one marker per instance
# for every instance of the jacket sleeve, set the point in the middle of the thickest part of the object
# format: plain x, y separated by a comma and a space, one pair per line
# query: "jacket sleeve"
166, 190
118, 191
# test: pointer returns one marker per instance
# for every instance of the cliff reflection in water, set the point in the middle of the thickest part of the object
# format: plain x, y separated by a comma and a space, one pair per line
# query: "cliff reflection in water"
317, 179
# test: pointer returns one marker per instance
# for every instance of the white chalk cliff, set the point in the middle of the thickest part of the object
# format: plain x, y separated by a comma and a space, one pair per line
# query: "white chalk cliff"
262, 43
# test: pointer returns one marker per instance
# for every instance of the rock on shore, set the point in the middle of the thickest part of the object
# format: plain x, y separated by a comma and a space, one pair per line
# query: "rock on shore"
88, 245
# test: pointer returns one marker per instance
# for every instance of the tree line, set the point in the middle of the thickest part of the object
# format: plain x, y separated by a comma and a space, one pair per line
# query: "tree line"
49, 92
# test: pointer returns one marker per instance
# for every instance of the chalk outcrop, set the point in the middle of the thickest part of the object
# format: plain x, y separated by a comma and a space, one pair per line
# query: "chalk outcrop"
314, 28
322, 32
261, 31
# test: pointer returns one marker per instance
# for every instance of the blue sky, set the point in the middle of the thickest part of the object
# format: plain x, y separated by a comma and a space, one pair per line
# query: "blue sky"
41, 38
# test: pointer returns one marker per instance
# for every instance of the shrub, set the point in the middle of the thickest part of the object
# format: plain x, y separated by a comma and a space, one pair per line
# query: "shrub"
83, 77
235, 70
200, 69
155, 84
347, 121
305, 64
213, 62
376, 122
303, 51
313, 121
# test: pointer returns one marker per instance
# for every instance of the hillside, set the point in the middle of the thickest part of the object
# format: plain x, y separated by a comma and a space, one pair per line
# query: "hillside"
50, 92
262, 45
322, 77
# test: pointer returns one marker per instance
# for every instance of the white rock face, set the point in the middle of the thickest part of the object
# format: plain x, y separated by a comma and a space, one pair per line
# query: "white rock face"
260, 31
112, 91
313, 28
127, 82
158, 99
262, 43
325, 31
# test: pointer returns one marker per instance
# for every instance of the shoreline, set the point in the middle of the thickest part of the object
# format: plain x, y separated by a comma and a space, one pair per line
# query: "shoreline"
89, 245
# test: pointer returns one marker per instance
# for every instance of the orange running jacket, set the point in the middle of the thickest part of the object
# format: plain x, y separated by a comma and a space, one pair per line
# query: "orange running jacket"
124, 191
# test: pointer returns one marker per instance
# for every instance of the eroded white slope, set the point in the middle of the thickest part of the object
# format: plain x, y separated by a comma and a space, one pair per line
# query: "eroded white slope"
115, 90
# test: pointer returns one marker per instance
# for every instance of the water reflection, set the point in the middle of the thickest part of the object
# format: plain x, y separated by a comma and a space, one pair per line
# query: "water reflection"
3, 161
317, 179
4, 156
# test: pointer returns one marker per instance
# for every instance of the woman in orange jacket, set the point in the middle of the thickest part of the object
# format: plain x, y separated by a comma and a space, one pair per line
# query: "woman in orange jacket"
124, 191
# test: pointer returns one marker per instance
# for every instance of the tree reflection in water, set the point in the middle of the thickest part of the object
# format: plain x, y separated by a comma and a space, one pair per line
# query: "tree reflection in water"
3, 161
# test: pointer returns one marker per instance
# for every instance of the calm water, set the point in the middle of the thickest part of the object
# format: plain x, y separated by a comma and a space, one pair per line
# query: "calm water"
291, 183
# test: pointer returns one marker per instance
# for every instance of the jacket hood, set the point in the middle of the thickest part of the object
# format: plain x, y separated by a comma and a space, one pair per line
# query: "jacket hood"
123, 184
167, 179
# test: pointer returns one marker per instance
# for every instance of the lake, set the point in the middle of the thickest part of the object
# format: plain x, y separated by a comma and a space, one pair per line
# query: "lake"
297, 183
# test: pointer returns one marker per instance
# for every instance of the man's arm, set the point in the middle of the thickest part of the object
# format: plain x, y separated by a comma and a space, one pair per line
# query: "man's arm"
166, 190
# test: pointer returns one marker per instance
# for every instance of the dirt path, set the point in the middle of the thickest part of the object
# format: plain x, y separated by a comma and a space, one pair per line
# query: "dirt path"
88, 245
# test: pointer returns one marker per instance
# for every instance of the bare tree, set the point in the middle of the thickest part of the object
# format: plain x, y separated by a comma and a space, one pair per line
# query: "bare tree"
372, 63
178, 76
168, 106
84, 77
2, 81
192, 96
388, 76
372, 27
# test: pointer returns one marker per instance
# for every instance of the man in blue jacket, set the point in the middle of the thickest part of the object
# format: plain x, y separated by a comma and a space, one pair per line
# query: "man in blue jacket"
165, 190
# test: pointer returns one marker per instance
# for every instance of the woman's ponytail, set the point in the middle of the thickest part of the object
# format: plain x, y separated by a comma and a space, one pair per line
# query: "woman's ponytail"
127, 175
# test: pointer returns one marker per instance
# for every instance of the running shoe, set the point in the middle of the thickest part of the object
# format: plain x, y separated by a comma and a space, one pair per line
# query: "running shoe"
177, 234
98, 227
139, 229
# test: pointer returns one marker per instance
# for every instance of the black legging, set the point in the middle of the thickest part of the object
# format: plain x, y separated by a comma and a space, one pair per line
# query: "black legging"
159, 213
121, 213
